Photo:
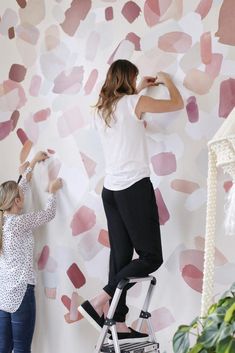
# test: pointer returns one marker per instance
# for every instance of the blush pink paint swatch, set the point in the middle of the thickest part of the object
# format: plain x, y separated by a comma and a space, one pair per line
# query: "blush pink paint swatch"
226, 23
193, 277
161, 318
192, 109
164, 215
69, 321
132, 37
69, 82
76, 276
185, 186
22, 3
9, 86
41, 115
91, 81
89, 164
198, 81
151, 12
92, 45
213, 68
175, 42
220, 259
83, 220
11, 32
66, 301
73, 312
70, 121
109, 13
77, 12
206, 48
43, 258
22, 135
131, 11
14, 119
227, 94
5, 129
25, 151
35, 85
164, 163
204, 7
50, 293
228, 185
103, 238
28, 33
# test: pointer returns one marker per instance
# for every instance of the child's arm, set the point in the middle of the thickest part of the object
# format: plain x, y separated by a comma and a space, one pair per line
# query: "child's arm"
35, 219
27, 168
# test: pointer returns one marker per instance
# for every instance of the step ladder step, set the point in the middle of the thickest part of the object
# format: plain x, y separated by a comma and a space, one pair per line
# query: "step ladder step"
141, 347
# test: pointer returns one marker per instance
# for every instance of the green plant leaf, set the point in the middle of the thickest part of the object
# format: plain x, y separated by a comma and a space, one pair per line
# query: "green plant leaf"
209, 336
225, 330
229, 313
197, 348
181, 340
226, 346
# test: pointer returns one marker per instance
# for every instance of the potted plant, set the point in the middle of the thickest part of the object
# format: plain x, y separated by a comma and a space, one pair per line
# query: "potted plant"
214, 333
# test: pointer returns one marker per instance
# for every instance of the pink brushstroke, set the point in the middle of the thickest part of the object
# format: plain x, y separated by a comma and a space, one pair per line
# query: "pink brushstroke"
43, 258
164, 215
131, 11
69, 122
206, 49
191, 256
92, 45
213, 69
193, 277
69, 321
109, 13
175, 42
227, 97
50, 293
35, 85
220, 259
73, 312
9, 86
151, 12
51, 265
28, 33
14, 119
69, 83
89, 164
228, 185
132, 37
25, 151
5, 129
192, 109
83, 220
226, 23
161, 318
17, 72
185, 186
198, 81
78, 11
164, 163
204, 7
42, 115
66, 301
76, 276
103, 238
91, 81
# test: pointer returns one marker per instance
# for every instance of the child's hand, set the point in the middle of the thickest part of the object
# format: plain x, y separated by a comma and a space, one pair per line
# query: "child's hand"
41, 156
55, 185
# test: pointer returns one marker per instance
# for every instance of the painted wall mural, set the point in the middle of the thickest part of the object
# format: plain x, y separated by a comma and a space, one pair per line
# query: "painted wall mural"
54, 55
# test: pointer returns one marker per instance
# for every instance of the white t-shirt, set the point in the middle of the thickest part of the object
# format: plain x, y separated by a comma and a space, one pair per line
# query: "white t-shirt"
124, 144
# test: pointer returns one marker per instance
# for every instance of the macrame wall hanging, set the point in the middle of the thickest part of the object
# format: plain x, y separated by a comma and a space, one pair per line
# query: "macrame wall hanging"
221, 153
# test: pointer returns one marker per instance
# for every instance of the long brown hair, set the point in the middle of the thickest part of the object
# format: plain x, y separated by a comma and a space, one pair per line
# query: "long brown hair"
8, 192
119, 82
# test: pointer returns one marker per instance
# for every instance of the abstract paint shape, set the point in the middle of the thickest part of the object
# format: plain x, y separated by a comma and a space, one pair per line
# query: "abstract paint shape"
89, 164
225, 274
89, 247
124, 50
226, 25
70, 121
91, 81
51, 265
41, 115
13, 97
69, 83
28, 33
103, 238
8, 19
74, 15
175, 10
132, 37
175, 42
73, 312
220, 259
206, 48
198, 81
66, 301
5, 129
192, 110
131, 11
22, 3
69, 321
52, 37
25, 151
227, 97
83, 220
193, 277
50, 293
76, 276
184, 186
53, 169
34, 13
151, 12
191, 59
109, 13
172, 262
193, 257
49, 279
214, 67
204, 7
92, 45
161, 318
164, 163
228, 185
35, 85
43, 258
14, 119
22, 136
11, 33
164, 215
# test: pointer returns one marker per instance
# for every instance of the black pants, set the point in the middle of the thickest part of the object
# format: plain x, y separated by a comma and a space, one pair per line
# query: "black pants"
133, 224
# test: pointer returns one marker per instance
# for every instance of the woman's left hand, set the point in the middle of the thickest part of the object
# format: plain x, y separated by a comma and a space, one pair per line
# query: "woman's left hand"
147, 81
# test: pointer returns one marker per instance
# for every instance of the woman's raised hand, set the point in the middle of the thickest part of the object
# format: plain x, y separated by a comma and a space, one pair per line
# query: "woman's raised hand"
146, 81
41, 156
55, 185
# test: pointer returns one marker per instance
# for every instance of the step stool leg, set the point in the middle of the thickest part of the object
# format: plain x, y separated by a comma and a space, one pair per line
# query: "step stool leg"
101, 339
115, 339
146, 303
